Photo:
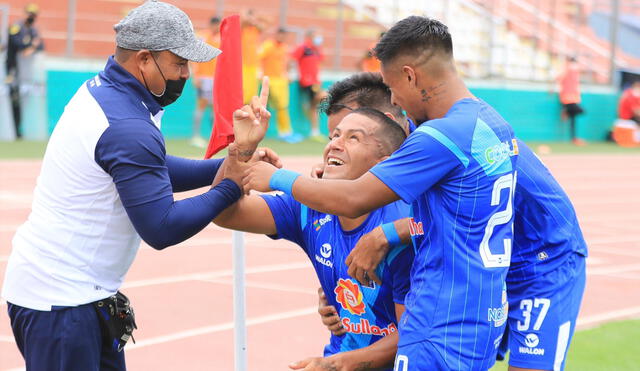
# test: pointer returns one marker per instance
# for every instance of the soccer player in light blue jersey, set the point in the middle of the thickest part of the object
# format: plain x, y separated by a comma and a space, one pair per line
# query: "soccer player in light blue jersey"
458, 170
546, 278
369, 313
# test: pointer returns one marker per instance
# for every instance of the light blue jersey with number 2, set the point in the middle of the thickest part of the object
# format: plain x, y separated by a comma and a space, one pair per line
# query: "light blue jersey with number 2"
459, 174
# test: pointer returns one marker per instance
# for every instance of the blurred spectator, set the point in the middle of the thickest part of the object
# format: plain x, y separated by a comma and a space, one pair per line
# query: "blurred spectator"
203, 80
252, 27
629, 106
570, 96
369, 63
24, 41
273, 55
309, 55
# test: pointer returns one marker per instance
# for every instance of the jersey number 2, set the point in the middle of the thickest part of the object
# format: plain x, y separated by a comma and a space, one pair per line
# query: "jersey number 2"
489, 259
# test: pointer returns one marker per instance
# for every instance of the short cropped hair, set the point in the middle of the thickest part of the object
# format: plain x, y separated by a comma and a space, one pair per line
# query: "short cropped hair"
364, 89
414, 36
214, 20
389, 132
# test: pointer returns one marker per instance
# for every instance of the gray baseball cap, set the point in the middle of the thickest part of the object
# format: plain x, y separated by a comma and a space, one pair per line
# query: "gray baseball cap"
158, 26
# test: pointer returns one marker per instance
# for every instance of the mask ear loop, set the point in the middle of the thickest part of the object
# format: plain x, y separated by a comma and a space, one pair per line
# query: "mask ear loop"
161, 74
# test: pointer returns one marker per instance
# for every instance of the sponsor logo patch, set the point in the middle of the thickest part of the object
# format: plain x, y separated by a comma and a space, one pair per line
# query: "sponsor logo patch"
531, 340
501, 152
318, 223
415, 229
348, 294
366, 328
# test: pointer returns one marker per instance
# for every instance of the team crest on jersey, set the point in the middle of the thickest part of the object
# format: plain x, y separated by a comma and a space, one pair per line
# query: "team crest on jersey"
318, 223
415, 229
348, 294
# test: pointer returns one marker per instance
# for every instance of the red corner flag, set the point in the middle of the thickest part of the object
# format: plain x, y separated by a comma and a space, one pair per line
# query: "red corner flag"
227, 87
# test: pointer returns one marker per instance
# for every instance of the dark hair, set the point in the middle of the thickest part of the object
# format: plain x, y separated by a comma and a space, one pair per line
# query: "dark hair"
365, 89
214, 20
389, 132
414, 35
282, 30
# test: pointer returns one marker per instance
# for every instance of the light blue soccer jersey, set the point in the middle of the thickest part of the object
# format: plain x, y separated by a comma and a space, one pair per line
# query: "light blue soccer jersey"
546, 229
367, 313
459, 174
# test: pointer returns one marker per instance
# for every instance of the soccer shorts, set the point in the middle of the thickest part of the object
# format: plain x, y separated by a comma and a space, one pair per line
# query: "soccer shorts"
542, 317
419, 356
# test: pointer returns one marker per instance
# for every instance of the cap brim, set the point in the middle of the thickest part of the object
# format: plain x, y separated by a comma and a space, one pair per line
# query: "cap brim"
198, 51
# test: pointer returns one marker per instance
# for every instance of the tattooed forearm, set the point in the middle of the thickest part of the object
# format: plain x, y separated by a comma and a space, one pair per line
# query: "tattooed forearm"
363, 366
247, 153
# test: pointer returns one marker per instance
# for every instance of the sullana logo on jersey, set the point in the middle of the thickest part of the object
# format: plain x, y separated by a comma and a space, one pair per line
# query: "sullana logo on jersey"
366, 328
415, 229
348, 294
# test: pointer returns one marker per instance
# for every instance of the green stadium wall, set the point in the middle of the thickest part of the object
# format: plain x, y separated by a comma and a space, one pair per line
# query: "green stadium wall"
532, 110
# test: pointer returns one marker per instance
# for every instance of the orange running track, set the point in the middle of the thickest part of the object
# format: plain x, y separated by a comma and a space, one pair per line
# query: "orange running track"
183, 295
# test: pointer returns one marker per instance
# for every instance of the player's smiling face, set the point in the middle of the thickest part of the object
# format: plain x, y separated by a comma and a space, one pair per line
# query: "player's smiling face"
353, 149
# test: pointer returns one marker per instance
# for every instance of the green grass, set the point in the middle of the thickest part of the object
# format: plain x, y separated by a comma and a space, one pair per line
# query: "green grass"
610, 347
178, 147
181, 147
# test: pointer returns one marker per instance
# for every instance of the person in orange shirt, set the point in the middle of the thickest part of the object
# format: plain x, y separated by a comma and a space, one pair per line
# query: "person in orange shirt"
570, 96
309, 56
273, 56
203, 80
369, 62
252, 27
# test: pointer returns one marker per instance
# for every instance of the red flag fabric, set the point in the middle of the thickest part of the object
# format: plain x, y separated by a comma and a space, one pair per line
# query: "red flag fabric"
227, 87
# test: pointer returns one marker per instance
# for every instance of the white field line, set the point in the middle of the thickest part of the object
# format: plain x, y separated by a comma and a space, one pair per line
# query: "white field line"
266, 286
612, 240
613, 269
222, 327
203, 276
595, 319
7, 339
614, 251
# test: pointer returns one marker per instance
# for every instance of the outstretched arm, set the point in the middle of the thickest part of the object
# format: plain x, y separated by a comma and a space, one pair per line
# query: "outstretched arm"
351, 198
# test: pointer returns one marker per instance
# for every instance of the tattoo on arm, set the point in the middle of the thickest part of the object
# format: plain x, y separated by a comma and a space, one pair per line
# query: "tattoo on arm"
328, 367
247, 153
363, 366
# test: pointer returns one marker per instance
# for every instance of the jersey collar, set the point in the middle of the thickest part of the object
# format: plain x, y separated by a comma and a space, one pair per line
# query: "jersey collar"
119, 76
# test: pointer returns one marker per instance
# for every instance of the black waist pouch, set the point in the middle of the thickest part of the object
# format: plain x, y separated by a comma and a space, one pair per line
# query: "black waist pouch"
117, 320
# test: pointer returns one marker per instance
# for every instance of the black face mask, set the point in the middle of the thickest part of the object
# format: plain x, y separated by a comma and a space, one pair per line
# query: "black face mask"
172, 88
30, 19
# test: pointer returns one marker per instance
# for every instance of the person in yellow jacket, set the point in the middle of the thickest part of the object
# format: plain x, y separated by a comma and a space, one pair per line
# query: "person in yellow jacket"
274, 57
203, 80
252, 27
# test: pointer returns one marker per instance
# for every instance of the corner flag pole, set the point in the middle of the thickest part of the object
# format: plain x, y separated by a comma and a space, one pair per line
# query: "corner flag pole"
239, 303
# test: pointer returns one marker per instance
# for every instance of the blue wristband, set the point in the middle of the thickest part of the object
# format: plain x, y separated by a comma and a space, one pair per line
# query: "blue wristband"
390, 232
282, 180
